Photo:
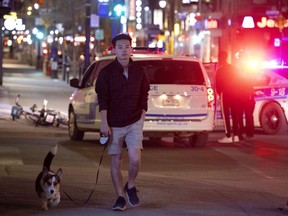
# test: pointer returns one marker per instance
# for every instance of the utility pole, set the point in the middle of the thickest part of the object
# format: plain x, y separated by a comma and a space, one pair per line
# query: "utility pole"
87, 33
72, 10
1, 52
5, 8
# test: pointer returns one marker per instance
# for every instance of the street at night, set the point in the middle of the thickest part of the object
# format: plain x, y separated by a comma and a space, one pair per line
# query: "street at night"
219, 179
205, 82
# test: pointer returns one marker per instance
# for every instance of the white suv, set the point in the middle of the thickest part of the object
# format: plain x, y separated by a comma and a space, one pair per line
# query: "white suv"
181, 100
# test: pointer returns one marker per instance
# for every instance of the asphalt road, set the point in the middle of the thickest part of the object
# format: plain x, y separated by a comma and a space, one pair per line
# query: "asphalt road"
226, 179
221, 179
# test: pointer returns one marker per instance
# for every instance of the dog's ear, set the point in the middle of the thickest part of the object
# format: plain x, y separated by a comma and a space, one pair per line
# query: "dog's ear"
44, 171
59, 173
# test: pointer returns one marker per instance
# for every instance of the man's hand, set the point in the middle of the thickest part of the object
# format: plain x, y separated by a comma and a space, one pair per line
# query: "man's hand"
105, 129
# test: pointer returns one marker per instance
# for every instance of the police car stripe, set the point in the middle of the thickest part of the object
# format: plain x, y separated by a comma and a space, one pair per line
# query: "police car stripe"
271, 92
177, 116
269, 98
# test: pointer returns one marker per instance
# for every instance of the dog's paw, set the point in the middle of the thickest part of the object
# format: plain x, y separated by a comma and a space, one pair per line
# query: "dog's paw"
44, 205
45, 208
284, 209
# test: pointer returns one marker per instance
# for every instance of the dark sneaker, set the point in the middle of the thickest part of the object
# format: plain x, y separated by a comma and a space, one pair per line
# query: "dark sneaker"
120, 204
131, 195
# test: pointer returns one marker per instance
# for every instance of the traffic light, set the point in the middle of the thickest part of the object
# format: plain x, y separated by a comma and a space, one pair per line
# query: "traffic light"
118, 8
39, 32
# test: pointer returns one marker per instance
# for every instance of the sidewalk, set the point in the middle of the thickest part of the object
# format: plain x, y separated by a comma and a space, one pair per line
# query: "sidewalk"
14, 63
22, 78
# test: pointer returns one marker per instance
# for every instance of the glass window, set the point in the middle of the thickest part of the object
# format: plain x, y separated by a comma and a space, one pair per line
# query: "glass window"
281, 71
274, 76
100, 66
173, 72
87, 78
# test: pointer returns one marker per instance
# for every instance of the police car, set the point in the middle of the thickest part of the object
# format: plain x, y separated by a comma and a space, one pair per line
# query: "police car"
271, 97
180, 99
271, 100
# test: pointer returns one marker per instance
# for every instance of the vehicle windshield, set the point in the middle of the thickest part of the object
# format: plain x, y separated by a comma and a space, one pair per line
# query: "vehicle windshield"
281, 71
273, 76
173, 72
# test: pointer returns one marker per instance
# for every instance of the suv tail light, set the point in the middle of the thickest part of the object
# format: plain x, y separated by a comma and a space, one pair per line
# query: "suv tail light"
210, 97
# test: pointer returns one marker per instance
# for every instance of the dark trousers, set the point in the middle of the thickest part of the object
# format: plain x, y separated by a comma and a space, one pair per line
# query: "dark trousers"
229, 110
246, 109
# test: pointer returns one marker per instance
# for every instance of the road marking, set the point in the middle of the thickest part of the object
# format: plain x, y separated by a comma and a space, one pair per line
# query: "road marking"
10, 156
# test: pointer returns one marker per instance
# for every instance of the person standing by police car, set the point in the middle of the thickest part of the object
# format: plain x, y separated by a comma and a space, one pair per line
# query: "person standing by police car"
246, 105
122, 88
226, 82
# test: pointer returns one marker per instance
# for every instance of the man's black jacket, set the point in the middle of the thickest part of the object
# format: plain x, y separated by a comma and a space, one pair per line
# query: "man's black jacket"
123, 99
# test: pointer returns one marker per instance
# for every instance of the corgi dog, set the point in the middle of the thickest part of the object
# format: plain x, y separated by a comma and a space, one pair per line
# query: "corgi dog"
47, 184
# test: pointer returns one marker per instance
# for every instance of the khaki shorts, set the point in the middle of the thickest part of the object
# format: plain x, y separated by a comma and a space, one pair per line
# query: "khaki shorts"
132, 134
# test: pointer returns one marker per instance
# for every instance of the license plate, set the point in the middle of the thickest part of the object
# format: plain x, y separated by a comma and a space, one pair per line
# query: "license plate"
170, 101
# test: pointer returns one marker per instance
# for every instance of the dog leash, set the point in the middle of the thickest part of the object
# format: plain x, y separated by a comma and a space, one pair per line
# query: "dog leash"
96, 180
97, 175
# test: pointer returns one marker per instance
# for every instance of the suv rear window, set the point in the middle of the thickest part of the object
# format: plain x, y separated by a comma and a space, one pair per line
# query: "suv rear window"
173, 72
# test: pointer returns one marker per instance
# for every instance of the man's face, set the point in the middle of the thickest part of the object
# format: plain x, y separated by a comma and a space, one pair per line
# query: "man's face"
122, 49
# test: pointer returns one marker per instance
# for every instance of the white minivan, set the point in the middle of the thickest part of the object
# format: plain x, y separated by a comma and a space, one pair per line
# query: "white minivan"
180, 104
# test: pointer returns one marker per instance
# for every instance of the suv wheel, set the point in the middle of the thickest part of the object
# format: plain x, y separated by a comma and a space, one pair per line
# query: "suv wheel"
74, 133
272, 119
199, 139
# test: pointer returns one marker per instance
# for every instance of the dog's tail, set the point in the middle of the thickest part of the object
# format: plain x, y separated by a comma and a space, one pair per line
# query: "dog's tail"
49, 157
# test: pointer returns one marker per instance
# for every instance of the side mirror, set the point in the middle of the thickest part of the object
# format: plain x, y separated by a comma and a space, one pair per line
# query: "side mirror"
74, 82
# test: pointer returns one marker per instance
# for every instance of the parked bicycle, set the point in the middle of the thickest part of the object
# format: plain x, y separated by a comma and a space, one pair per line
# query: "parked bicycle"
47, 117
61, 119
44, 116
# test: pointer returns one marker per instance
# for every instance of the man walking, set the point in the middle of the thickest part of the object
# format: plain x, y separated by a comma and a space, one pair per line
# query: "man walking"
122, 88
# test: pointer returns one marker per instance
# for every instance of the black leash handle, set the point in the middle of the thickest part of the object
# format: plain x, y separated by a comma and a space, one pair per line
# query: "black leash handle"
96, 180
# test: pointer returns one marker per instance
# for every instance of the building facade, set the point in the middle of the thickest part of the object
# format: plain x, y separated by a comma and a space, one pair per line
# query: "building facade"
202, 28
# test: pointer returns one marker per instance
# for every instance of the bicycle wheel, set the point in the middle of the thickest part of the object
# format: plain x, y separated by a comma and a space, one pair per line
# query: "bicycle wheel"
62, 121
33, 117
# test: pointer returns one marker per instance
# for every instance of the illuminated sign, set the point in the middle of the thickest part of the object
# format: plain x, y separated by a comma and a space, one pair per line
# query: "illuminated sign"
189, 1
211, 24
277, 42
248, 22
139, 11
11, 22
103, 9
132, 10
266, 23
